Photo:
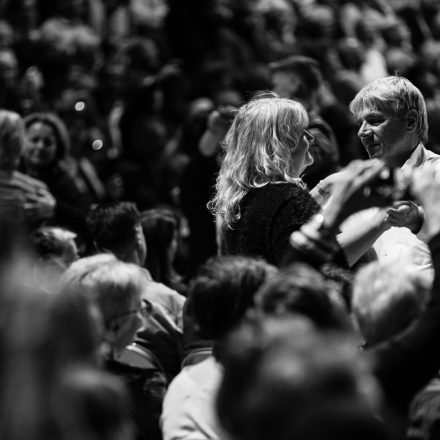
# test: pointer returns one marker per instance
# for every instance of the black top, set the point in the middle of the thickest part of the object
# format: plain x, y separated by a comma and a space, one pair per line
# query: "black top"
146, 389
72, 202
268, 216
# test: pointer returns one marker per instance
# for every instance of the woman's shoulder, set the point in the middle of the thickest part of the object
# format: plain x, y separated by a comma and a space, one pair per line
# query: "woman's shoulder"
284, 190
268, 200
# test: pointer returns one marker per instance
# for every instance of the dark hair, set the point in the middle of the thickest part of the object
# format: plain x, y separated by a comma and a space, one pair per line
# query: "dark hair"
223, 290
113, 225
300, 289
283, 379
351, 53
58, 127
93, 404
160, 228
306, 69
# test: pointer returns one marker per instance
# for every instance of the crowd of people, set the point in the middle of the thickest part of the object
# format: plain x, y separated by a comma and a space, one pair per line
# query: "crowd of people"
219, 219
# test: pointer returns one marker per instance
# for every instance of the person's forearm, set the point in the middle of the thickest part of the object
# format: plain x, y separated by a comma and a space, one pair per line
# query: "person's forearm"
320, 193
358, 238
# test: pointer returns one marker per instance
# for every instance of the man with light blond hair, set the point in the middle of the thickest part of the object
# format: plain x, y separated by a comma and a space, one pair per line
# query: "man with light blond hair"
393, 127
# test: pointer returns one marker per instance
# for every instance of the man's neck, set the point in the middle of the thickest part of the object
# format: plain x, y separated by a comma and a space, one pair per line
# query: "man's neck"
400, 160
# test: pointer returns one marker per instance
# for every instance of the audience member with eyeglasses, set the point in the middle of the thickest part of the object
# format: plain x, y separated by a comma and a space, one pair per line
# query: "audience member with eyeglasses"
116, 228
117, 289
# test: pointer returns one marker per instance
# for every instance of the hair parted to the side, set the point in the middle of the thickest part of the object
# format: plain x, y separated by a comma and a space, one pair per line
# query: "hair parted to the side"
393, 94
58, 127
113, 285
257, 150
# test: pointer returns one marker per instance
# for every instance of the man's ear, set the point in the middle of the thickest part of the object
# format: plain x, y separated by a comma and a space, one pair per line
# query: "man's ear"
412, 118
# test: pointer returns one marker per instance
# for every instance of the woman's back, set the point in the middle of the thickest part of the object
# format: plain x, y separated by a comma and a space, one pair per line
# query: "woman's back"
268, 216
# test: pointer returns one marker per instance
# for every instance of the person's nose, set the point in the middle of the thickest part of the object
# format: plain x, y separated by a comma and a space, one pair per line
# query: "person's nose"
39, 143
364, 130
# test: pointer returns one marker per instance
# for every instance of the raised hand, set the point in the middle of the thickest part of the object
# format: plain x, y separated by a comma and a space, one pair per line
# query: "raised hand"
354, 177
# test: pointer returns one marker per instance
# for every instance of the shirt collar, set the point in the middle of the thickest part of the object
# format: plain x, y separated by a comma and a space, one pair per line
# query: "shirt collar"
417, 157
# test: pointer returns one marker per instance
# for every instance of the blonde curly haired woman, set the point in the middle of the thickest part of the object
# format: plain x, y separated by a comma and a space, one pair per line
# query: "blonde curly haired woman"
260, 198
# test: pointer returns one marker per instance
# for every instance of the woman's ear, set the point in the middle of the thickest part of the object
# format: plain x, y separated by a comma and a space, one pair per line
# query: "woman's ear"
412, 118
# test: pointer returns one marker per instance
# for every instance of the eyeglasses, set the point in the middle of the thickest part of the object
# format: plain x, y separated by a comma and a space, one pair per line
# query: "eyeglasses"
145, 310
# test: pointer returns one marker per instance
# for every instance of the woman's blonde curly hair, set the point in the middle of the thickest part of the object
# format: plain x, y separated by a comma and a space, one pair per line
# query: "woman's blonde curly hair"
257, 150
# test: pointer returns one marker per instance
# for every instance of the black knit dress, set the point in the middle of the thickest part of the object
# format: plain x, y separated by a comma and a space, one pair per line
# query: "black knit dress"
268, 216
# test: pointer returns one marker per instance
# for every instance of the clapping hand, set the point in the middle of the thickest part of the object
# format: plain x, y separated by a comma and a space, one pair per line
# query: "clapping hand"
350, 180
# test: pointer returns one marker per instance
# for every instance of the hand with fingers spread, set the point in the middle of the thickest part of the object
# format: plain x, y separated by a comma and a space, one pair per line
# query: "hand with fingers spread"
317, 238
354, 177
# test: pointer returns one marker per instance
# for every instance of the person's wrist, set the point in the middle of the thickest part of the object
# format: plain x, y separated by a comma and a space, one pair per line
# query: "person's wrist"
382, 220
320, 192
323, 189
420, 218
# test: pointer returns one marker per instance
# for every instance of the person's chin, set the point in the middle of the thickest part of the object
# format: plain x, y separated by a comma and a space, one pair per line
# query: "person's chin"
38, 162
305, 166
298, 174
375, 152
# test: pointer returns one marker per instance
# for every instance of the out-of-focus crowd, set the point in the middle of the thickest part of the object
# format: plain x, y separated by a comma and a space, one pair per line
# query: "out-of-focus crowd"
135, 81
113, 117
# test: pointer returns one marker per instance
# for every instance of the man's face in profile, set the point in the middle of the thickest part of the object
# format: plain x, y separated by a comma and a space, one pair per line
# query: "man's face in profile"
384, 135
